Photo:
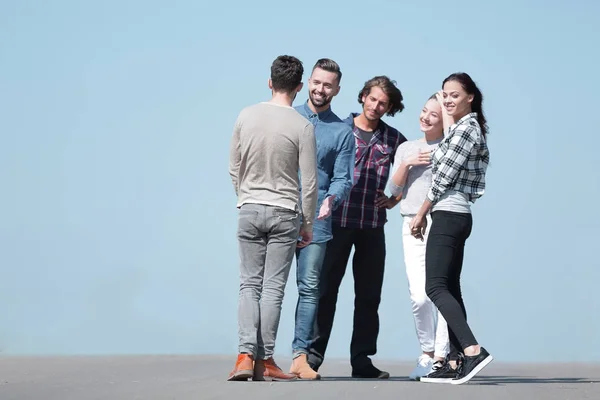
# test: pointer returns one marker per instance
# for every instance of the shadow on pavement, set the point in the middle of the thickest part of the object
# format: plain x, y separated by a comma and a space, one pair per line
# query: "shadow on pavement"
501, 380
349, 378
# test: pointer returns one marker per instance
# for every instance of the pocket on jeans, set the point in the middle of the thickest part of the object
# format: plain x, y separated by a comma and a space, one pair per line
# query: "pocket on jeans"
285, 214
247, 215
287, 224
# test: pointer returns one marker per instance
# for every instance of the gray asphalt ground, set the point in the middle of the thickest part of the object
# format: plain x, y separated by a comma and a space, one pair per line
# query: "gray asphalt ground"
204, 378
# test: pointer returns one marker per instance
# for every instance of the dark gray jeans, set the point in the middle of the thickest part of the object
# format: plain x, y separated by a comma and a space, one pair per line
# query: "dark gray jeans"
267, 238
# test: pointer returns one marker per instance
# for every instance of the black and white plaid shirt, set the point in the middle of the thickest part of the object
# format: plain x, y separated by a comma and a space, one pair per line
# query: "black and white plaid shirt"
460, 161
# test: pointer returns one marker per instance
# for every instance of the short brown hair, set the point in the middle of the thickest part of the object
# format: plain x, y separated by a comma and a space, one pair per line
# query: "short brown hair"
286, 73
389, 88
329, 65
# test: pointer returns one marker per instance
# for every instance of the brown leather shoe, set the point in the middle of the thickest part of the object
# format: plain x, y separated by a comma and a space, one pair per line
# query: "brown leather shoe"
244, 368
302, 370
268, 370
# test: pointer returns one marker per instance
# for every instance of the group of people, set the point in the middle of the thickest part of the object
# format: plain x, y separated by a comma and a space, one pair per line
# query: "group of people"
312, 186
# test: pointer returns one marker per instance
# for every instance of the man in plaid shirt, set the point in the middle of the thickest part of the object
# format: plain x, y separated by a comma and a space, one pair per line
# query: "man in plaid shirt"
359, 221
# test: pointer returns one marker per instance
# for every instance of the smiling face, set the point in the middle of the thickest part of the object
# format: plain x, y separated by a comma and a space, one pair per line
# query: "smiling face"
456, 100
430, 119
375, 104
323, 86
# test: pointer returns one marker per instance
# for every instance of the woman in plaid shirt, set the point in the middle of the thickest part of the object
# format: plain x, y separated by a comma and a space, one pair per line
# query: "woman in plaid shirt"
458, 178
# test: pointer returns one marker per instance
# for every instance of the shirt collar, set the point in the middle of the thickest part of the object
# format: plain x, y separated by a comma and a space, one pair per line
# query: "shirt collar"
381, 126
322, 115
466, 117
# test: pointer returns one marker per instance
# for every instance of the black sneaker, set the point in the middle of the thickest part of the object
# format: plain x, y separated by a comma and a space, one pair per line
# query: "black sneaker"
369, 371
442, 373
471, 366
437, 365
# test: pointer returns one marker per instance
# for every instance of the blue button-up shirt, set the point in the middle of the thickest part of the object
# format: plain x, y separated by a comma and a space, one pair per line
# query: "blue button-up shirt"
335, 163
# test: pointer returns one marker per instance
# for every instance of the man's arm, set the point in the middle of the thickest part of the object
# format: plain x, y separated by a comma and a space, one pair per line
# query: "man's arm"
235, 157
343, 171
308, 175
393, 200
452, 162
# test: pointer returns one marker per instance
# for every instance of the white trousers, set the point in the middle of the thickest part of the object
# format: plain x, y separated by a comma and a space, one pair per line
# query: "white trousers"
431, 327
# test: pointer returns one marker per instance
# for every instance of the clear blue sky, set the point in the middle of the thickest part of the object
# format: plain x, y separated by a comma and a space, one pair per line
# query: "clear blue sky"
117, 221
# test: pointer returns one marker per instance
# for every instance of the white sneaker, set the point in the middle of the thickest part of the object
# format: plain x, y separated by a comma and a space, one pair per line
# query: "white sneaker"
423, 368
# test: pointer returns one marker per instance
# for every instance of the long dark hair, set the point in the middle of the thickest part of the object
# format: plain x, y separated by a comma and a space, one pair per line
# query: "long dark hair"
470, 87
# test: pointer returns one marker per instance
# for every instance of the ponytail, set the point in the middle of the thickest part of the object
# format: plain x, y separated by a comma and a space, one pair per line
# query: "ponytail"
477, 107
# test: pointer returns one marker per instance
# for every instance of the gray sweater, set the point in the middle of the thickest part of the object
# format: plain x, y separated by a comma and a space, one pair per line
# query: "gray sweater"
270, 145
418, 180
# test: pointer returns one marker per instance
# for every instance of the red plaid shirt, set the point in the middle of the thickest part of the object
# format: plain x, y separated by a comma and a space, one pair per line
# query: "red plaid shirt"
371, 173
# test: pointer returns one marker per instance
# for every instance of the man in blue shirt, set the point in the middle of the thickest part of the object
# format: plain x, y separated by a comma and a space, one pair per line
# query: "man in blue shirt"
335, 166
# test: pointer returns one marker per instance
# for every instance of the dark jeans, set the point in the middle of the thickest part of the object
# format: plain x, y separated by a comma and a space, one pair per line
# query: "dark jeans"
368, 268
443, 264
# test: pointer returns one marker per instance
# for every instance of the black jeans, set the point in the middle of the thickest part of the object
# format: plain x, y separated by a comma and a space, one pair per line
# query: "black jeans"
368, 268
443, 265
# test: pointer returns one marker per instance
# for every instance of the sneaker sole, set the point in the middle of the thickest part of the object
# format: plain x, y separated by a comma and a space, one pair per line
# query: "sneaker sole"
436, 380
274, 379
417, 377
474, 372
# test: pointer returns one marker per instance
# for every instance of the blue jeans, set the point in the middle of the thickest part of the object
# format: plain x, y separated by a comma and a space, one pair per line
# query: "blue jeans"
308, 271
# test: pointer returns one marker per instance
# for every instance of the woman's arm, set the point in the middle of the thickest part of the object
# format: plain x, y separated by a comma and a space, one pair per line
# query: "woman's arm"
398, 180
448, 168
452, 161
447, 120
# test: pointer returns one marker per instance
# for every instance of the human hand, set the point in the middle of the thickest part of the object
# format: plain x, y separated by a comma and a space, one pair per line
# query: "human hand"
384, 201
440, 98
420, 158
325, 210
418, 227
306, 238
